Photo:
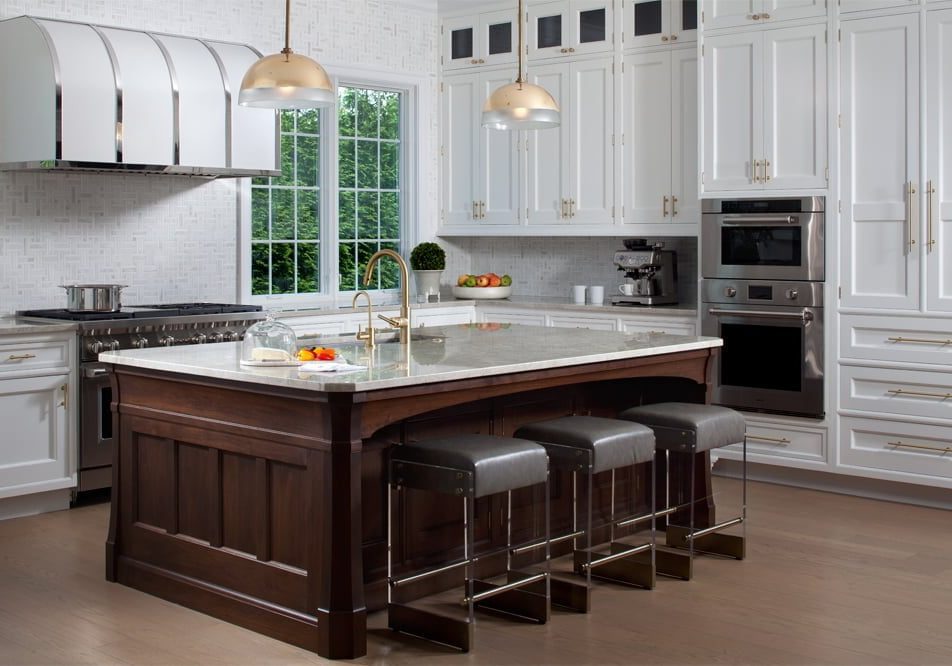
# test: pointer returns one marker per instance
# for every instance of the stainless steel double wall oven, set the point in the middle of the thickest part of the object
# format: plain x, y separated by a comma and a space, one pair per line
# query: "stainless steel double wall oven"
762, 261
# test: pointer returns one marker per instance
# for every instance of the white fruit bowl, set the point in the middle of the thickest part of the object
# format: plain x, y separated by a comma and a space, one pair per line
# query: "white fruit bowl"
482, 292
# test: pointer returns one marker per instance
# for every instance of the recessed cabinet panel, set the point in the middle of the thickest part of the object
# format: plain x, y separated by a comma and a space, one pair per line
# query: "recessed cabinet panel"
684, 137
147, 110
498, 173
500, 38
461, 43
548, 162
795, 127
937, 193
89, 93
479, 40
863, 5
591, 193
733, 117
729, 13
570, 27
647, 151
461, 123
549, 31
786, 10
592, 26
880, 135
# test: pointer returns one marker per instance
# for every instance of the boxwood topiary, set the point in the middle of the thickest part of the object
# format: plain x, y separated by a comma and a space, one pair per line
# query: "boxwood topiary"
428, 257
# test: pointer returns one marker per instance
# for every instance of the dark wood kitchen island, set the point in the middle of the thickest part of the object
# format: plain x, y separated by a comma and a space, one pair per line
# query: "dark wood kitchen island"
257, 495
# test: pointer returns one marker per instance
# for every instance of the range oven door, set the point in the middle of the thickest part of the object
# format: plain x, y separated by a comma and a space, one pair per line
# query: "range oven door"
784, 246
97, 427
772, 358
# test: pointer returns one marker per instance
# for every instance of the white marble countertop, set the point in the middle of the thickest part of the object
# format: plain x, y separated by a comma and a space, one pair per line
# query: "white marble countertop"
443, 354
14, 326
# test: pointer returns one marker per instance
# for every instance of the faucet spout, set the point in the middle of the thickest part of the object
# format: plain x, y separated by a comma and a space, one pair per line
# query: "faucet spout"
403, 321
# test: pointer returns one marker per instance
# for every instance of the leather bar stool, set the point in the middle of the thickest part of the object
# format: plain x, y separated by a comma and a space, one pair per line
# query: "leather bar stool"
591, 445
470, 466
691, 429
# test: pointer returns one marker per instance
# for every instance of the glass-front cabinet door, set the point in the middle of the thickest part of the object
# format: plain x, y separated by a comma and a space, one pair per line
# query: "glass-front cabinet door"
570, 27
481, 39
659, 22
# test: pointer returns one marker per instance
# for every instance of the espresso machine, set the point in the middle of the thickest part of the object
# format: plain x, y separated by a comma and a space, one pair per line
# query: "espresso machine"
654, 272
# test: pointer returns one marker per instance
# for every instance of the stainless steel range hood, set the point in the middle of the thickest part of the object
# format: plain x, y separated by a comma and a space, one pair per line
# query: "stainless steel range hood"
76, 96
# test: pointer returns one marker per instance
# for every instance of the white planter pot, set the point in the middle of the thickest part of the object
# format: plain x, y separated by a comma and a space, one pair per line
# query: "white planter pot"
427, 284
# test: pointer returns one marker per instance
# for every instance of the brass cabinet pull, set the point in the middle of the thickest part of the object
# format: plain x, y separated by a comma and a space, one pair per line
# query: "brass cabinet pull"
755, 17
910, 214
756, 173
65, 389
475, 213
901, 444
766, 170
664, 206
564, 203
474, 61
20, 357
674, 205
930, 191
674, 38
482, 210
899, 391
664, 38
765, 16
564, 50
782, 441
571, 207
924, 341
571, 49
482, 62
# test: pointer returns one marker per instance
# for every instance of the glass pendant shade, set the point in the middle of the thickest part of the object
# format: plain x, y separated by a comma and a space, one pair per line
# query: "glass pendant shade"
520, 106
286, 81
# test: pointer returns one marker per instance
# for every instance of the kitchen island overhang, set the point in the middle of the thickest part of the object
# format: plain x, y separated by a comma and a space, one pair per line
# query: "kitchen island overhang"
256, 494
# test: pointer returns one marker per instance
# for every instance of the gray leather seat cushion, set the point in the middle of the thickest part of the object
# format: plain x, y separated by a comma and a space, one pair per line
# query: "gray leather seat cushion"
682, 426
613, 443
498, 464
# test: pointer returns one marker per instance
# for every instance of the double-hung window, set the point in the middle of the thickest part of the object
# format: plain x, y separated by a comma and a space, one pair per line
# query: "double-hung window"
341, 196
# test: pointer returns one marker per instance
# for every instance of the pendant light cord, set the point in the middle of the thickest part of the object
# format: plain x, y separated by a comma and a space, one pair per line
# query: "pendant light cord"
522, 46
287, 28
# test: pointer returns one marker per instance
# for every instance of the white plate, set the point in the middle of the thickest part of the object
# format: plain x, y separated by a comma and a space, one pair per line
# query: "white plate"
482, 292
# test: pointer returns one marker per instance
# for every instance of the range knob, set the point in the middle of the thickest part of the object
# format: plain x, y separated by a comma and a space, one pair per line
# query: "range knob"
113, 344
199, 339
140, 342
730, 292
218, 336
792, 294
230, 336
166, 340
95, 347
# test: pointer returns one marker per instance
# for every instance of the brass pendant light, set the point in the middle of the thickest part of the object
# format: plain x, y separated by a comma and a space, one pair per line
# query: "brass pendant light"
521, 105
286, 80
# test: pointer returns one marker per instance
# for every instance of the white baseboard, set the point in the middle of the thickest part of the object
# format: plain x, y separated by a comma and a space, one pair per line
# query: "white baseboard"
30, 505
892, 491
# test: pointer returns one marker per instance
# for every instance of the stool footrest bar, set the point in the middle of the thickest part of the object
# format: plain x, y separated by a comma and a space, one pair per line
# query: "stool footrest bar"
626, 564
728, 545
491, 592
647, 516
714, 528
539, 544
527, 600
397, 582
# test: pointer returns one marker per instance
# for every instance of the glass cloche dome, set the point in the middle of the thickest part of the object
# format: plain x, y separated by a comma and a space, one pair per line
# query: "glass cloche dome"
269, 342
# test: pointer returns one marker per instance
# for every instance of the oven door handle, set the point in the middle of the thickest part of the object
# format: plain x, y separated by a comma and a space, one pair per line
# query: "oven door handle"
744, 219
803, 315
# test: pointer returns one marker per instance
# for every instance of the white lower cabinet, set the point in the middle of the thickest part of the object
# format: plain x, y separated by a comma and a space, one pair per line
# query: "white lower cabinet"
36, 388
911, 393
777, 441
346, 322
682, 326
594, 323
506, 316
901, 339
897, 450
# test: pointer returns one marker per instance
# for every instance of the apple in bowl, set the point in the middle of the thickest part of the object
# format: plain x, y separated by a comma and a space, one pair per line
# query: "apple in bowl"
485, 285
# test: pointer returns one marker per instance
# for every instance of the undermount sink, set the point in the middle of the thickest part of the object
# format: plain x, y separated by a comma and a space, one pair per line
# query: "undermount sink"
388, 337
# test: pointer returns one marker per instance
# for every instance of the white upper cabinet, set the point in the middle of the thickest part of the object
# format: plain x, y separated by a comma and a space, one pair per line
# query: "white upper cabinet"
570, 169
481, 167
765, 110
937, 193
485, 39
864, 5
570, 27
658, 22
879, 91
732, 13
659, 110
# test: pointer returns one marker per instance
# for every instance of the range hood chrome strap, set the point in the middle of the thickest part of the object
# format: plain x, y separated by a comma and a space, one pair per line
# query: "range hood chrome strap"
114, 61
173, 81
227, 89
57, 77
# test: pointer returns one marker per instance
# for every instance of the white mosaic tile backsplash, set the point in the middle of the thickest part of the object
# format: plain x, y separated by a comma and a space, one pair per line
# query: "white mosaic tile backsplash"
172, 238
550, 266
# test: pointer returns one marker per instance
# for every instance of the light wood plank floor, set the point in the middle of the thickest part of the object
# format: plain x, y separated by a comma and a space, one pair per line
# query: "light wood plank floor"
829, 579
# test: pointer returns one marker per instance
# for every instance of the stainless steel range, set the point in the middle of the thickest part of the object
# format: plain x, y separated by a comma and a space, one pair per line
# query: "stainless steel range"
133, 327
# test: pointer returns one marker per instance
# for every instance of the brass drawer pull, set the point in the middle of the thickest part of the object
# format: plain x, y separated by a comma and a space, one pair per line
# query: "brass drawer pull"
20, 357
674, 205
911, 212
782, 441
930, 192
944, 396
664, 206
924, 341
919, 446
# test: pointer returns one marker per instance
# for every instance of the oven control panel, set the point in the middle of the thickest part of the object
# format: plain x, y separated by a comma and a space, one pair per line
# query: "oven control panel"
757, 292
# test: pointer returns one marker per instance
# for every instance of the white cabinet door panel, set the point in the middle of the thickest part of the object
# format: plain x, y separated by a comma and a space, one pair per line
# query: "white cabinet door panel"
728, 13
511, 317
460, 147
498, 174
34, 444
912, 452
938, 203
594, 323
684, 137
897, 339
592, 116
880, 93
647, 111
784, 10
733, 118
915, 393
592, 26
863, 5
795, 108
498, 37
548, 162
